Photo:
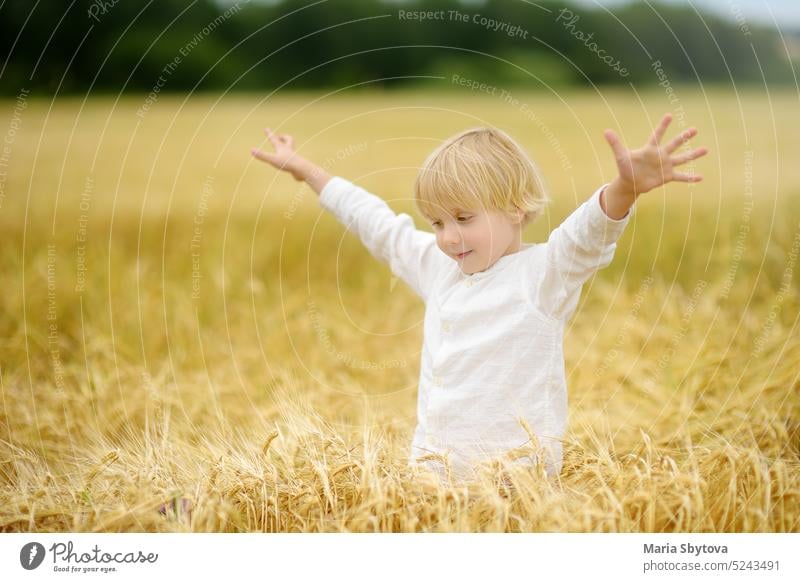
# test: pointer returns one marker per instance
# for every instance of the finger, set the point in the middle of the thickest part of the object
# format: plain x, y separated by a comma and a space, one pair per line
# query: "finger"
615, 143
681, 177
681, 139
273, 138
687, 156
263, 156
658, 134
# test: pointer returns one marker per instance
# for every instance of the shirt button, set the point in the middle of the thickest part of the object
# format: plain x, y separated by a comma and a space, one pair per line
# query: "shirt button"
469, 282
437, 381
446, 326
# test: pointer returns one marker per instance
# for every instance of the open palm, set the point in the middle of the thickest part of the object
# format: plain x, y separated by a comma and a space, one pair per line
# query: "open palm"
284, 157
652, 165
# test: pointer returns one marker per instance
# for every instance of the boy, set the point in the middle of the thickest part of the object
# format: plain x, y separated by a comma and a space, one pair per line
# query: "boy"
492, 379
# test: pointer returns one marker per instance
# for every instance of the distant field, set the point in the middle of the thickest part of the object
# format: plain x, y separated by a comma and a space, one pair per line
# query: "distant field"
169, 303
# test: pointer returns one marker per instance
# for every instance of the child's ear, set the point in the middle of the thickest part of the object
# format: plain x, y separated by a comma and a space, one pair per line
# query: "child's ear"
518, 217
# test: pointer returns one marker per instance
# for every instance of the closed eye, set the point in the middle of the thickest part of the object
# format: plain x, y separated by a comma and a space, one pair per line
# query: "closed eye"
460, 219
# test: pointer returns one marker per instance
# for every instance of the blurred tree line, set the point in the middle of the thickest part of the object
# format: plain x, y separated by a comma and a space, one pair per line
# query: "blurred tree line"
79, 46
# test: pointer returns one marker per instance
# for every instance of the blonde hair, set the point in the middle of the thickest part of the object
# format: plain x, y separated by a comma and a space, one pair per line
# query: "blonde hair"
484, 168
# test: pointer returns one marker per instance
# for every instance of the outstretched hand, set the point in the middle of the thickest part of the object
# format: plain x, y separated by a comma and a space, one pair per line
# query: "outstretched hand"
652, 165
284, 158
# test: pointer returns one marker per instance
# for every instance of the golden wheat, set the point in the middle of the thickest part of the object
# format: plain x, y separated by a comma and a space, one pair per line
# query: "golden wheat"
267, 375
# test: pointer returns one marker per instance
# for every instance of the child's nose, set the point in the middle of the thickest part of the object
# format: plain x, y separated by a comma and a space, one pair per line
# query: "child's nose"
452, 235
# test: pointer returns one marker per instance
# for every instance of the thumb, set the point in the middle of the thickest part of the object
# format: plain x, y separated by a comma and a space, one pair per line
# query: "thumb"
263, 156
615, 143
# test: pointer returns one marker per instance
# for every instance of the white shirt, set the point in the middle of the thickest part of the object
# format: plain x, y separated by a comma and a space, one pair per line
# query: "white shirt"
493, 341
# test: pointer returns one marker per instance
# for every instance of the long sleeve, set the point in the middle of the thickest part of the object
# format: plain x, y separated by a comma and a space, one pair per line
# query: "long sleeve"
392, 238
584, 243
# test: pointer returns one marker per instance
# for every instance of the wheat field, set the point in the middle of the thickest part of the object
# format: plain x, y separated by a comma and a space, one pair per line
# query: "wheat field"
191, 344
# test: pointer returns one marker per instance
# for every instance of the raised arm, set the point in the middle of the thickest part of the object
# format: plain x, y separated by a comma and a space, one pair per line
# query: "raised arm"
586, 240
411, 254
392, 238
584, 243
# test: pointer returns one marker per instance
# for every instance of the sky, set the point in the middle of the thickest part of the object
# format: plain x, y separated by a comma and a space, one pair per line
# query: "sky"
764, 12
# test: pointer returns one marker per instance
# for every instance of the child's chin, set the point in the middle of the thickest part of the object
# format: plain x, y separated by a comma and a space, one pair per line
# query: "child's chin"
471, 270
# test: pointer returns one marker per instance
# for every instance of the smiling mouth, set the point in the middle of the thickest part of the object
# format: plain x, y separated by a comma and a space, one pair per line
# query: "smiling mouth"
462, 255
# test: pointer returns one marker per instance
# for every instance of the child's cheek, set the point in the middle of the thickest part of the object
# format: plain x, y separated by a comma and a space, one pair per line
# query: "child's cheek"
478, 235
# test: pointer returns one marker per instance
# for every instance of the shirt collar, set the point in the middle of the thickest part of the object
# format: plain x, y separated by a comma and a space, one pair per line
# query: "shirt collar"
500, 263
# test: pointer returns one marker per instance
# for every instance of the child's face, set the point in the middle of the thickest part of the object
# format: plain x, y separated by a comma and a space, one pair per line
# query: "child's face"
486, 235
